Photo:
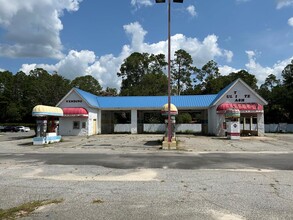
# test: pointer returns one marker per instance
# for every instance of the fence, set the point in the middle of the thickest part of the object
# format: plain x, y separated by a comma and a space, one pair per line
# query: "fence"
281, 127
159, 128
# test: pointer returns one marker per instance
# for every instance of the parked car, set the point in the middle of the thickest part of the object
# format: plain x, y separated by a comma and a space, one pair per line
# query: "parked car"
10, 128
23, 129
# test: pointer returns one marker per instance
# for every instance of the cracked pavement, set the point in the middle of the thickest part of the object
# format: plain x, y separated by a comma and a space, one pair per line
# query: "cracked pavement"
143, 192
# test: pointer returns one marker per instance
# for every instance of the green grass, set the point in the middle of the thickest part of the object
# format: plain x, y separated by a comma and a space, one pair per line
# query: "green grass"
25, 209
97, 201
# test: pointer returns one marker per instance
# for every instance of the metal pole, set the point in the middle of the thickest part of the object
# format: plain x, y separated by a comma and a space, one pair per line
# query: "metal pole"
169, 73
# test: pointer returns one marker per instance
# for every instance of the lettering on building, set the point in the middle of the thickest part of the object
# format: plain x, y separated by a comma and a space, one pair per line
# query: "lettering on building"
238, 97
74, 101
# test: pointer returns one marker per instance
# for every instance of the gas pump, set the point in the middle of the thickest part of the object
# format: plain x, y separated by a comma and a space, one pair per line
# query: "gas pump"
47, 124
173, 113
232, 116
41, 127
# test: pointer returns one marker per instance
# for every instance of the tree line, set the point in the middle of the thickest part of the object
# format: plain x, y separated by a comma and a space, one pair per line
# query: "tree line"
142, 74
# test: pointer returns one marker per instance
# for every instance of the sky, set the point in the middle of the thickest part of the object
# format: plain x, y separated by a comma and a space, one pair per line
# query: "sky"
93, 37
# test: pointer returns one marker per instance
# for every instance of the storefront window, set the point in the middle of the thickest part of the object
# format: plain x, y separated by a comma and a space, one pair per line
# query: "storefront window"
83, 125
76, 125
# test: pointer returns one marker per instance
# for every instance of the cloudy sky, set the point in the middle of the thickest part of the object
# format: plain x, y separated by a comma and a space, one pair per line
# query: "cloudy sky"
90, 37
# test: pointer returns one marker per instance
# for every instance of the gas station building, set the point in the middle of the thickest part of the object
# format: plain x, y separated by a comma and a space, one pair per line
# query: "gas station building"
87, 114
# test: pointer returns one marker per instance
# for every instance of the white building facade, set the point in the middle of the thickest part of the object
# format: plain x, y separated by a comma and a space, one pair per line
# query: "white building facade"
86, 114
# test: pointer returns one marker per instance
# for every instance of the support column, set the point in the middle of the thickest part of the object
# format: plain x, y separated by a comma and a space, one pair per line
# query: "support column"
260, 124
133, 121
99, 122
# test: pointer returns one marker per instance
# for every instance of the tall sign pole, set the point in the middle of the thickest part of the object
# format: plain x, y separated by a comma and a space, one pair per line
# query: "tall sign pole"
169, 73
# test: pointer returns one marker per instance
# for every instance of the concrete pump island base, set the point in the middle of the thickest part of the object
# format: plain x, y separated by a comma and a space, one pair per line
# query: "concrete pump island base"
85, 114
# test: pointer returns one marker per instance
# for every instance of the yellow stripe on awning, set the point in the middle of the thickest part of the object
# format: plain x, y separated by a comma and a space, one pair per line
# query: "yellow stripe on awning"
44, 110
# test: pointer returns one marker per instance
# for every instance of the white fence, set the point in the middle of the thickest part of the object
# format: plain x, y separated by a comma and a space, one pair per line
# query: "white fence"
159, 128
281, 127
122, 128
183, 128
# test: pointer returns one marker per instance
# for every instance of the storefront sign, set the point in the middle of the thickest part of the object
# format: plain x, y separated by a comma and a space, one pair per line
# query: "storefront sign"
75, 101
238, 97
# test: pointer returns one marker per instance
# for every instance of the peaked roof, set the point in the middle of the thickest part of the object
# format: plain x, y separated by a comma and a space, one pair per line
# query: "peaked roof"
228, 87
155, 102
90, 98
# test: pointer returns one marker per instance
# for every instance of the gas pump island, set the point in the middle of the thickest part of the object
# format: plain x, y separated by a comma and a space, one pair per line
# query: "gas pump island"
173, 112
232, 116
47, 124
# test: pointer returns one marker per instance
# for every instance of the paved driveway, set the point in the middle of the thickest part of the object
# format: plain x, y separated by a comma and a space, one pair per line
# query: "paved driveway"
147, 192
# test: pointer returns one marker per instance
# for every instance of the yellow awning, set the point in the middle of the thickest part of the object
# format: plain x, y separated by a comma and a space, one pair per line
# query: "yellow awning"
44, 110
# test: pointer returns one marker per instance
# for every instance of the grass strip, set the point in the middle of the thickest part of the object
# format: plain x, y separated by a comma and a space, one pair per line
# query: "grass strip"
25, 209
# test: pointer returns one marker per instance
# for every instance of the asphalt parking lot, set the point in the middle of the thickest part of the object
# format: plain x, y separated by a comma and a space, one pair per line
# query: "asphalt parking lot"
223, 187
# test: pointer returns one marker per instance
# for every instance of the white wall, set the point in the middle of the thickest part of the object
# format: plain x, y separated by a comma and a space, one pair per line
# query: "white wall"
212, 120
133, 121
153, 128
66, 127
194, 128
122, 128
161, 128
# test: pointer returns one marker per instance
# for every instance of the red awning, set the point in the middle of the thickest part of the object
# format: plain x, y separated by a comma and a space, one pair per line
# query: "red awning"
243, 107
75, 112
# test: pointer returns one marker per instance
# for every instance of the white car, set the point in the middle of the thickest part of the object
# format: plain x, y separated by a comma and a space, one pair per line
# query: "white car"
23, 129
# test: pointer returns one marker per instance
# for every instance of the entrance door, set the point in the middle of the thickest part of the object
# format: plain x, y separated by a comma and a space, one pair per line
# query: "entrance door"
139, 122
248, 124
107, 121
95, 126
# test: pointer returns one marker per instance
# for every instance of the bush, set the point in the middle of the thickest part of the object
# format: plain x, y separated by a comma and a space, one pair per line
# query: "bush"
184, 118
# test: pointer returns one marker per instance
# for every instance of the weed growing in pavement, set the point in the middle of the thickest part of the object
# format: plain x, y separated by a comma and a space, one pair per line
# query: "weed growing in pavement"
26, 208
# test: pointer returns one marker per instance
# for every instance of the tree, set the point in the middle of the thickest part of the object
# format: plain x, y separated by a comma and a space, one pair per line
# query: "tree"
109, 92
153, 84
135, 67
181, 70
271, 90
270, 82
287, 75
87, 83
6, 93
207, 73
248, 78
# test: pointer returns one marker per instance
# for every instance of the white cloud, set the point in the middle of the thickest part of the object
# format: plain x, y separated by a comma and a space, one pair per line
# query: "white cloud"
2, 70
141, 3
226, 70
290, 21
284, 3
105, 68
191, 10
137, 34
261, 72
39, 24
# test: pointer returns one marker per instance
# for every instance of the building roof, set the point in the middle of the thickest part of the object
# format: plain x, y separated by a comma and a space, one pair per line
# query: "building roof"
145, 102
90, 98
155, 102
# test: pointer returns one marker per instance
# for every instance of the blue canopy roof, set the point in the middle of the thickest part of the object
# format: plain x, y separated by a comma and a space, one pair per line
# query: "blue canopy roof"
146, 102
